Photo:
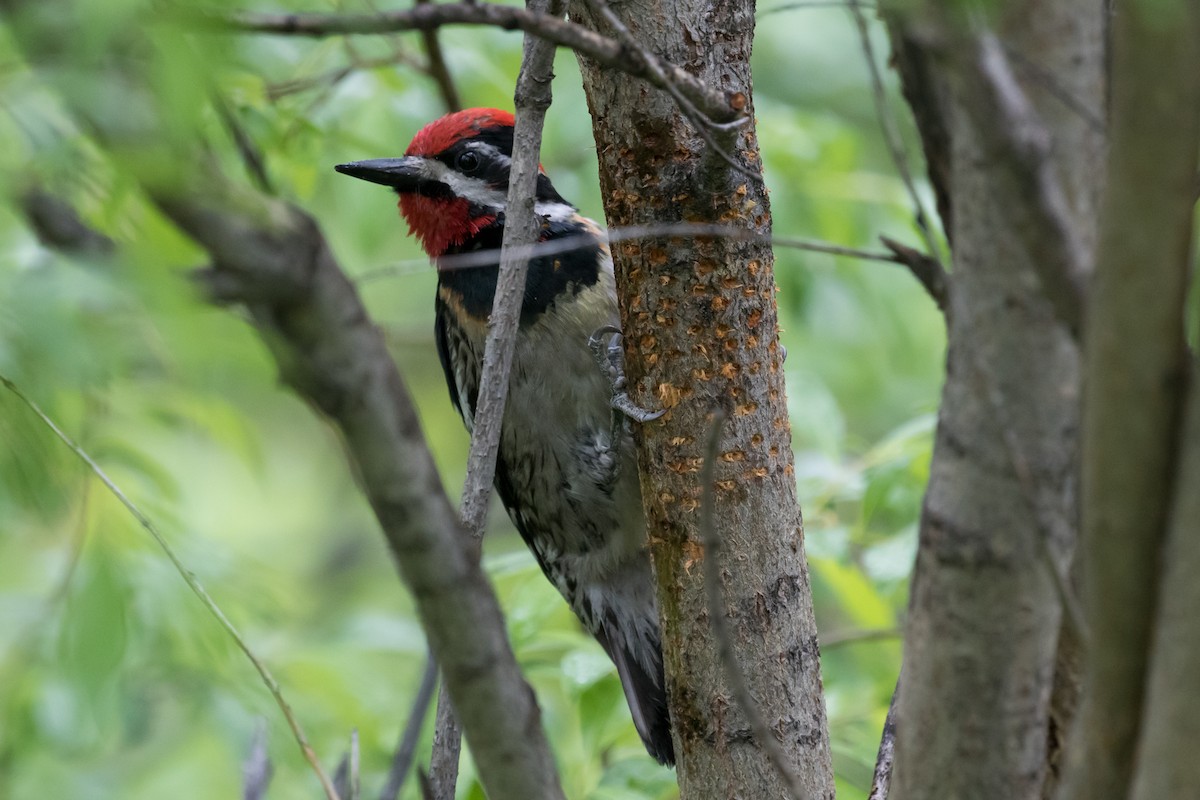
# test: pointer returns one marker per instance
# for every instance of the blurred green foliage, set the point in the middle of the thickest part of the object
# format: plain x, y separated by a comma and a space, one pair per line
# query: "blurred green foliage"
114, 683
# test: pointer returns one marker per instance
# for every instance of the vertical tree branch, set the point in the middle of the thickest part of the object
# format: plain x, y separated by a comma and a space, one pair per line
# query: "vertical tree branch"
521, 228
700, 328
531, 99
1166, 760
438, 69
767, 738
925, 89
407, 748
442, 779
881, 780
891, 136
1136, 365
981, 636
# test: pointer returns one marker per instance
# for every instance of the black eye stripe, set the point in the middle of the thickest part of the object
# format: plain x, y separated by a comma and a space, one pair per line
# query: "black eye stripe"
472, 161
491, 153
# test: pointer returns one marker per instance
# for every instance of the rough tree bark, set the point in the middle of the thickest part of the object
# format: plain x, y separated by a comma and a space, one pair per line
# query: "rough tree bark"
699, 318
981, 638
1137, 368
1166, 759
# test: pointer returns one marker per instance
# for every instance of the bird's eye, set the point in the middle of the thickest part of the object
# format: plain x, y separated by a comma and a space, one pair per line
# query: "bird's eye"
468, 161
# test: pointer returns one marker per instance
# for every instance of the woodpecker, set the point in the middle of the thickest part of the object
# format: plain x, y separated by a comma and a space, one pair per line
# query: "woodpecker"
565, 471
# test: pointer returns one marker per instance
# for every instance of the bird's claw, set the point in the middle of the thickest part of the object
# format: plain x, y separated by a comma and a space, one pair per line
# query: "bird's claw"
623, 403
605, 344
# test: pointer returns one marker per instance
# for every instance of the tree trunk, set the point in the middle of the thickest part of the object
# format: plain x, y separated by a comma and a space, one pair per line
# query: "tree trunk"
701, 333
1000, 510
1166, 759
1137, 367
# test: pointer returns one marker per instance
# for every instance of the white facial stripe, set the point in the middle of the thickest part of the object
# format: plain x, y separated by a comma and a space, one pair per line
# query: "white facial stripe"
479, 192
474, 189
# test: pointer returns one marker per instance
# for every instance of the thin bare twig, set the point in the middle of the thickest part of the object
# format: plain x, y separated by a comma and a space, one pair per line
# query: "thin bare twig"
634, 232
520, 231
842, 638
193, 583
891, 136
881, 781
332, 77
807, 4
251, 155
717, 613
531, 99
928, 271
713, 103
440, 782
403, 758
438, 70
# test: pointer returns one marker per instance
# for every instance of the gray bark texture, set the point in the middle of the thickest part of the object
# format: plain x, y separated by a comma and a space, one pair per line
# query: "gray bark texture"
1137, 367
1016, 172
1166, 759
701, 333
330, 354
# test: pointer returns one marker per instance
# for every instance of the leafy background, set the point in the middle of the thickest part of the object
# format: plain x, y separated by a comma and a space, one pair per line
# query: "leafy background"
114, 682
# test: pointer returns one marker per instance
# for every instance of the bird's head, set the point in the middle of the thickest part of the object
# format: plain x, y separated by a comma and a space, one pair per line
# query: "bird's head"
453, 178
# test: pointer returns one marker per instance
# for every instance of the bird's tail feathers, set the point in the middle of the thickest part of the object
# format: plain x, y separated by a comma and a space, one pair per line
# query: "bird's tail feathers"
645, 691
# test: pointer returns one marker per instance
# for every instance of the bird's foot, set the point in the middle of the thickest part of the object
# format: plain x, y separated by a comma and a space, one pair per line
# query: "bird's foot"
605, 344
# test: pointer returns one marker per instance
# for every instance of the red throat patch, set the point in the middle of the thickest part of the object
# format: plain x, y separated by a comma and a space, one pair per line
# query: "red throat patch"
440, 224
